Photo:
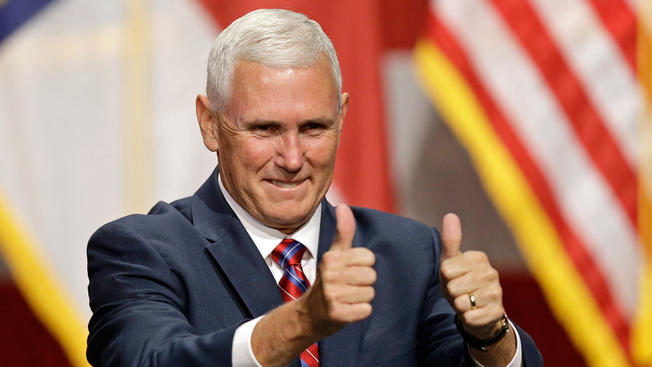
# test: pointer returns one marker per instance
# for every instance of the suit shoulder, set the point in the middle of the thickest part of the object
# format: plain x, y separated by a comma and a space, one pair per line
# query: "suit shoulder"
163, 217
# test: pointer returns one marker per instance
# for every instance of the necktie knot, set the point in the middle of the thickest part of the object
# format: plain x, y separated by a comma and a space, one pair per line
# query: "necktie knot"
288, 252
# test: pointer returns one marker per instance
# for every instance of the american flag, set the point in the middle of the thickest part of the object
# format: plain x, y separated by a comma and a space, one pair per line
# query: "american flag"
550, 98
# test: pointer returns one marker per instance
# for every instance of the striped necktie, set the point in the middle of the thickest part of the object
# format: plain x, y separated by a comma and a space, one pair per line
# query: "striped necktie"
293, 284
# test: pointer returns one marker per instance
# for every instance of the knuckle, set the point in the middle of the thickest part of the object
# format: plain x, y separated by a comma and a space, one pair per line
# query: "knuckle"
372, 293
359, 312
373, 276
446, 271
489, 275
492, 274
483, 257
495, 293
367, 275
459, 303
469, 318
364, 255
328, 275
371, 257
366, 310
477, 256
364, 294
450, 287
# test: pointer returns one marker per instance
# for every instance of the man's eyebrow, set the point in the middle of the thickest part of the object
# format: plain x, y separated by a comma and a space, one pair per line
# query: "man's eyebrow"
317, 120
248, 124
321, 120
260, 122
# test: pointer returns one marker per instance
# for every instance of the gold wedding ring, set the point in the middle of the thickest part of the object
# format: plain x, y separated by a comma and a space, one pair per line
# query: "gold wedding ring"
472, 299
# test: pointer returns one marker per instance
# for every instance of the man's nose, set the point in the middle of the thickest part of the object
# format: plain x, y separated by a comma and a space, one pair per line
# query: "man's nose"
290, 151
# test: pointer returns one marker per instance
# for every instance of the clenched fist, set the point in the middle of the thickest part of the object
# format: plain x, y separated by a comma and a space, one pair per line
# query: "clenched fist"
343, 289
342, 294
472, 287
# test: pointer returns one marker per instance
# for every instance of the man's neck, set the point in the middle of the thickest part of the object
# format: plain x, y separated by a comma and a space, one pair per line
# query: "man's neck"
266, 238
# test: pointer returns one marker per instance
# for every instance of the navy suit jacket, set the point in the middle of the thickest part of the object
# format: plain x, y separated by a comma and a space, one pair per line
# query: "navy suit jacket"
170, 288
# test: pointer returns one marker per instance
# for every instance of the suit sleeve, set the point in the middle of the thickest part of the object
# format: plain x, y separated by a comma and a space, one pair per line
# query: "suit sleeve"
439, 341
138, 307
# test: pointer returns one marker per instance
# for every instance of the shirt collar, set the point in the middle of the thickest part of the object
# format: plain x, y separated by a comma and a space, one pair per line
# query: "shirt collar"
266, 238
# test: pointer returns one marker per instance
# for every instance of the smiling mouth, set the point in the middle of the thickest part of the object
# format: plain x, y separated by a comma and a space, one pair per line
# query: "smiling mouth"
284, 184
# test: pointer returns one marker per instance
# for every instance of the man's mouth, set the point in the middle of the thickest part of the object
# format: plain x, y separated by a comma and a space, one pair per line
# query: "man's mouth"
285, 184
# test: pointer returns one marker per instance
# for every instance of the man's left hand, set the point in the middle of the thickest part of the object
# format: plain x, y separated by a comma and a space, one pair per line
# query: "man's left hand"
472, 287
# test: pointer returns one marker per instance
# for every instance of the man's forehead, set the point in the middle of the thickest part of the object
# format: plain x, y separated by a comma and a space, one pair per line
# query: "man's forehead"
319, 65
256, 82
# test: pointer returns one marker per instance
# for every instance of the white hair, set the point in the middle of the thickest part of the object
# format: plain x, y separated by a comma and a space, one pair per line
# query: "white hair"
271, 37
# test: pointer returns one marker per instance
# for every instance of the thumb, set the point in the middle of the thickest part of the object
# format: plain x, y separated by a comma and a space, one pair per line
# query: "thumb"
451, 235
345, 228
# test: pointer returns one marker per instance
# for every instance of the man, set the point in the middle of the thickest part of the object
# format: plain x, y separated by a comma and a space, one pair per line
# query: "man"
202, 281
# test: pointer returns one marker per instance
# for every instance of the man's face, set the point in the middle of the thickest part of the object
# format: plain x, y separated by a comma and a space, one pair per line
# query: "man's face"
277, 139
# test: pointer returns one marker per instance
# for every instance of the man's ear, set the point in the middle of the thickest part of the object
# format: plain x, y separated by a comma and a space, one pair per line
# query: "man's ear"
343, 109
207, 122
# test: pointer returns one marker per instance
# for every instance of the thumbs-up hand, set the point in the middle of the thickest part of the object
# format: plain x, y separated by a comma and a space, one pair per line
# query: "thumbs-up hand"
343, 288
470, 283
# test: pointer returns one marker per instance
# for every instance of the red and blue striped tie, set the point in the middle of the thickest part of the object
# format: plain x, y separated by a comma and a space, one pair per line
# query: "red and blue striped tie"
293, 284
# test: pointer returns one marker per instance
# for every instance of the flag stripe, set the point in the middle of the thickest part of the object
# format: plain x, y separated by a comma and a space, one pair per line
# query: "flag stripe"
644, 25
579, 189
14, 13
39, 286
619, 19
559, 75
541, 125
594, 57
642, 328
582, 116
575, 248
137, 120
512, 194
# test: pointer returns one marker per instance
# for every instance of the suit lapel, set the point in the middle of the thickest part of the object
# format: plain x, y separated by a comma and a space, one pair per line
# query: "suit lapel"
234, 252
247, 272
341, 348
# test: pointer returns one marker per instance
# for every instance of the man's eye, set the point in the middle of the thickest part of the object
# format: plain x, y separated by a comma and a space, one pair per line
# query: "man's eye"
263, 129
313, 127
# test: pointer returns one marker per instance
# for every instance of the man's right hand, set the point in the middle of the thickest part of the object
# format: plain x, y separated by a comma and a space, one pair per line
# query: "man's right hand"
343, 288
342, 293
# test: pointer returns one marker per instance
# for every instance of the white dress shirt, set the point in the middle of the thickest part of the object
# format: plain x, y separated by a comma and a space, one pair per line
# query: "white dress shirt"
266, 239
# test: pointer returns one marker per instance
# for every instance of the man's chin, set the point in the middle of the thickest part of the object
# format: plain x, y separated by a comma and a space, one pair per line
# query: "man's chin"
287, 223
